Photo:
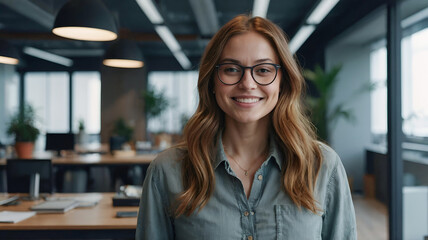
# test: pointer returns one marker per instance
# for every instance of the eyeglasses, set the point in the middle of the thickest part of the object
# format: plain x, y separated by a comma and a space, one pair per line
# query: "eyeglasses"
232, 73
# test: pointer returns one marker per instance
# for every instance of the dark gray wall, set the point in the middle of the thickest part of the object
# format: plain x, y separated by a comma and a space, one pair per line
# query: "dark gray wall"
121, 98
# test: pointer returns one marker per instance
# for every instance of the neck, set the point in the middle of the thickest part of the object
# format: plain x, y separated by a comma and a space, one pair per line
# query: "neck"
246, 141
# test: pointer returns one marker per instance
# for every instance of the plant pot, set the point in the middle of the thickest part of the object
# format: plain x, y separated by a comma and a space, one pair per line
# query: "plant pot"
163, 140
24, 149
116, 143
81, 138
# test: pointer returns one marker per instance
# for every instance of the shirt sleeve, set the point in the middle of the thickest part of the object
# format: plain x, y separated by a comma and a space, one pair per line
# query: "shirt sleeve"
154, 221
339, 216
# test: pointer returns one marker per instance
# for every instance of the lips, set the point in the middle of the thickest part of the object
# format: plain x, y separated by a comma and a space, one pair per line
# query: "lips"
247, 99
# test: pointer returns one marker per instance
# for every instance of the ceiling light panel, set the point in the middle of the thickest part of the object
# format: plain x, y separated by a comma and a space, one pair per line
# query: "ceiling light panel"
48, 56
260, 8
182, 59
168, 38
322, 9
300, 37
151, 11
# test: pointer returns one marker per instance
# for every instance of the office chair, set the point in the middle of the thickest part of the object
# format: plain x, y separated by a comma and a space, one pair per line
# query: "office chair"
18, 172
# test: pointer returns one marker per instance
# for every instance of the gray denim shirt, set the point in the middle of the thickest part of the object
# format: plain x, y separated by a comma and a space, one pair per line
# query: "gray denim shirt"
268, 213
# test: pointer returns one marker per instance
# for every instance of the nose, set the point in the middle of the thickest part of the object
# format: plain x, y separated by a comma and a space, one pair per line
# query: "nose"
247, 81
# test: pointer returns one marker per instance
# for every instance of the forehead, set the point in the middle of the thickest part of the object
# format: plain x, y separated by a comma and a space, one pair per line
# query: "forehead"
248, 47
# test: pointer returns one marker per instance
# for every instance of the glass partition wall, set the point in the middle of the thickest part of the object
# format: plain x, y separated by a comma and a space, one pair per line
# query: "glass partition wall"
383, 83
414, 78
361, 140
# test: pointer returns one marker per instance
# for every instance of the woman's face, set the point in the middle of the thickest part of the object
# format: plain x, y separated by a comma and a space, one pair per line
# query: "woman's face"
247, 101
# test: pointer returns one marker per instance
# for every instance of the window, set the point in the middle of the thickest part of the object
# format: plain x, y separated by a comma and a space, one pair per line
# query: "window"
9, 99
414, 87
415, 84
87, 101
378, 95
48, 93
181, 90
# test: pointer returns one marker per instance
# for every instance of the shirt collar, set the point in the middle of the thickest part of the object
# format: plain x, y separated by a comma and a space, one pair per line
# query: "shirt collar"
274, 152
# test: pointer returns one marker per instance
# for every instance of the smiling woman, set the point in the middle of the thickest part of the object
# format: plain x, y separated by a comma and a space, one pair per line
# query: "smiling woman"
249, 165
247, 96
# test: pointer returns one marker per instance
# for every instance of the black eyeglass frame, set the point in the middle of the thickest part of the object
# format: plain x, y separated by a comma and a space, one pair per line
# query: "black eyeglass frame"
277, 66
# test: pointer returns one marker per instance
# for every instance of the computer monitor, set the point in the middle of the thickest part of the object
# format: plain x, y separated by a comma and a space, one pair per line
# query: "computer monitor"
19, 171
59, 141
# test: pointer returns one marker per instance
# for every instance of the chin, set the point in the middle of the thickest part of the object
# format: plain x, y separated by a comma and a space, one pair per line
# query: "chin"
250, 119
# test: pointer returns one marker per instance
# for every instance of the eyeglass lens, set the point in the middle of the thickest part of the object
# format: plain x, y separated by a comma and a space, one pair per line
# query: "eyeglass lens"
231, 73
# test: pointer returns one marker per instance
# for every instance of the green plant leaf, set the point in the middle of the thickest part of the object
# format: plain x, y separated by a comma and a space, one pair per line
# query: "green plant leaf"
122, 129
154, 102
22, 125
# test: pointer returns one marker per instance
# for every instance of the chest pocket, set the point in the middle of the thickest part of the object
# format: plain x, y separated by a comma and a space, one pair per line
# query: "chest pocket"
292, 223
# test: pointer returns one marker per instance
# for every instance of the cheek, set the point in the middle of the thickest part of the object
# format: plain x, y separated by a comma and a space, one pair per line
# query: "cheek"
218, 93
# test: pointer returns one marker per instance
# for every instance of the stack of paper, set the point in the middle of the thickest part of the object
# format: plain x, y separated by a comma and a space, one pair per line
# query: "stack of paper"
55, 206
84, 200
14, 216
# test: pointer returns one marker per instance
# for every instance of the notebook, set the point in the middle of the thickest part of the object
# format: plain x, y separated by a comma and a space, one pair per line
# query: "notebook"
55, 206
14, 216
85, 200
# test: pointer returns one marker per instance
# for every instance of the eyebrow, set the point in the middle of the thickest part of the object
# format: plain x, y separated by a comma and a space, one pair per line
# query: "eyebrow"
236, 61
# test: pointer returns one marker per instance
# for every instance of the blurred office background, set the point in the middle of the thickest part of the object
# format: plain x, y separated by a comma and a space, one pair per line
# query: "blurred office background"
375, 43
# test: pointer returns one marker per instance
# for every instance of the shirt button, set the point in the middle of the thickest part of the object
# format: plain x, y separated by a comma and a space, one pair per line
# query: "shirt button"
250, 237
260, 177
246, 213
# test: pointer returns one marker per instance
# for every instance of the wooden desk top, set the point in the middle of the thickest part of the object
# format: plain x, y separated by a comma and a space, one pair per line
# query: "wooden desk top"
95, 159
102, 216
104, 159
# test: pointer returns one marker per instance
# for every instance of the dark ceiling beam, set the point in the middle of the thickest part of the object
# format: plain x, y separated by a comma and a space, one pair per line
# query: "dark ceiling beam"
31, 11
149, 37
345, 15
206, 16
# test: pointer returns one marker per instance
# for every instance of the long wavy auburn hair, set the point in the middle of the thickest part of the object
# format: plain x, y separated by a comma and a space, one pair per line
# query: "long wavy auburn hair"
293, 131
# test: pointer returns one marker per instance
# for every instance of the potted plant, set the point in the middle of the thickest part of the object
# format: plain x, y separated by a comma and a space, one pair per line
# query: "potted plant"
22, 127
81, 134
154, 104
322, 113
122, 133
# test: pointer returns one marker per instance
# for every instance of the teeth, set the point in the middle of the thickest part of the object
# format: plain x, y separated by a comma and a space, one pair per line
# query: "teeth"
247, 100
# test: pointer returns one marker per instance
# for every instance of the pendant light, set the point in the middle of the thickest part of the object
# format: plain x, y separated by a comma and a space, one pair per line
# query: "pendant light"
123, 54
88, 20
8, 53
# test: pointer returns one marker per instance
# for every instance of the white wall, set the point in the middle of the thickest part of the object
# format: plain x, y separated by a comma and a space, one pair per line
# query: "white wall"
349, 139
352, 50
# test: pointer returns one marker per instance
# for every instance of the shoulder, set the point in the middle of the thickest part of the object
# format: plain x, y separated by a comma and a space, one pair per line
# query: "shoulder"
168, 157
167, 163
165, 171
332, 172
331, 159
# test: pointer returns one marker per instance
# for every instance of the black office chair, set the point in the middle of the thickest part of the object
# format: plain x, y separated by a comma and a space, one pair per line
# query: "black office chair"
19, 171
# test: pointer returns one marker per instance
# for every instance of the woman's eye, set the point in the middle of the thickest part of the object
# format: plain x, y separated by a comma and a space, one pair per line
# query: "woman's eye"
263, 70
231, 70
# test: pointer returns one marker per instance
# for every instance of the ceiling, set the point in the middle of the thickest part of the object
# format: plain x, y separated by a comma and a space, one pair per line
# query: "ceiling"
28, 23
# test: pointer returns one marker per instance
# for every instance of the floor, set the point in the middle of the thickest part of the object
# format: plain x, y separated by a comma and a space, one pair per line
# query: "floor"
372, 218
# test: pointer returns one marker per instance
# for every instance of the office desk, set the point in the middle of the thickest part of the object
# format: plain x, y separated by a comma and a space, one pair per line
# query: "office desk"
84, 163
98, 222
97, 159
